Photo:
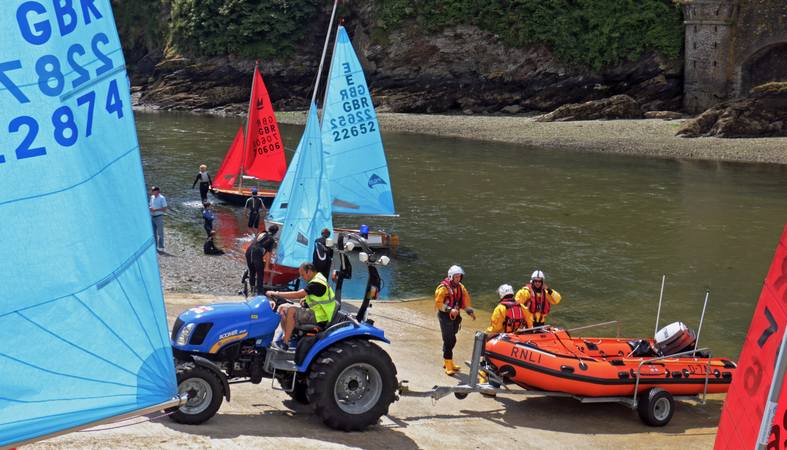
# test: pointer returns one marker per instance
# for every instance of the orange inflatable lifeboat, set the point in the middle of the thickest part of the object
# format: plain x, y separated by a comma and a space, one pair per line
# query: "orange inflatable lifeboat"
552, 360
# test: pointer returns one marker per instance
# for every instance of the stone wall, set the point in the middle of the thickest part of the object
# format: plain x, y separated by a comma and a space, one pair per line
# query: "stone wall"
732, 46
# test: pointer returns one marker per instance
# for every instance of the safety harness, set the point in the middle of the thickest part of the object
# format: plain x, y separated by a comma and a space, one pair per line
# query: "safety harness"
455, 298
538, 302
515, 315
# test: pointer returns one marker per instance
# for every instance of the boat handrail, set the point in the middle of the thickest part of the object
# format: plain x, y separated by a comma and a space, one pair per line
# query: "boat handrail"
601, 324
658, 358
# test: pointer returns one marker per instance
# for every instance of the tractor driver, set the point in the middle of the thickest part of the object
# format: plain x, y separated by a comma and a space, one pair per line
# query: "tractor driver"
317, 307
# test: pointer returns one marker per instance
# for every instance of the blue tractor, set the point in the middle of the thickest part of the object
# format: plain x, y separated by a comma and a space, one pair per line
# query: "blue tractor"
349, 380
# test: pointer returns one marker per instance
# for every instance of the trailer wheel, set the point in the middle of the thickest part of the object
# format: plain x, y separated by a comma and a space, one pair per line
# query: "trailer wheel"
656, 407
460, 395
205, 394
351, 384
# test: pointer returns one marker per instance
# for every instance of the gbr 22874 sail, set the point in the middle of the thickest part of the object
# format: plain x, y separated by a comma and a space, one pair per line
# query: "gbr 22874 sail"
83, 334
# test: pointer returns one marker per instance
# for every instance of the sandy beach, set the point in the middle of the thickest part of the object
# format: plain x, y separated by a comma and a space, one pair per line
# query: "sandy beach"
643, 137
259, 417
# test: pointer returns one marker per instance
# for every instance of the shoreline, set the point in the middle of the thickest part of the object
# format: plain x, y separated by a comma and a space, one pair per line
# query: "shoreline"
653, 138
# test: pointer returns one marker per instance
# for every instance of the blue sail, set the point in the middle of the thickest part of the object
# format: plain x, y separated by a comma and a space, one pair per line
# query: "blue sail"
354, 154
303, 202
82, 318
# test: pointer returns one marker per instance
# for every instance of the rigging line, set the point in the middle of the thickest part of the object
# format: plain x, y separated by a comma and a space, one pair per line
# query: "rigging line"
121, 340
146, 419
68, 188
152, 308
83, 349
70, 413
53, 372
98, 397
164, 370
91, 285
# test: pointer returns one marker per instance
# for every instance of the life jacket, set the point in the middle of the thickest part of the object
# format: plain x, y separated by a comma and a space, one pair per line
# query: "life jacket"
455, 298
324, 306
538, 303
515, 316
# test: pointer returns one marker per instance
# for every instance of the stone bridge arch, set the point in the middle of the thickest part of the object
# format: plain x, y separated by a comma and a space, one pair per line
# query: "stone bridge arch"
768, 63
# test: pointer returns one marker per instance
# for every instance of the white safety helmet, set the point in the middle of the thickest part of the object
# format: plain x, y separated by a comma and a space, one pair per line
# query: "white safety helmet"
455, 270
537, 275
504, 290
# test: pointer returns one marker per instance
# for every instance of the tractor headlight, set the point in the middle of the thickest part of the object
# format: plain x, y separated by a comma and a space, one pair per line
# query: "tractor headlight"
363, 257
349, 246
328, 242
185, 334
384, 260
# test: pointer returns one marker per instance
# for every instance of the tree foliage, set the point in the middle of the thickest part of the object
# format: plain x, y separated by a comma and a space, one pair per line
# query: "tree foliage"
249, 28
593, 33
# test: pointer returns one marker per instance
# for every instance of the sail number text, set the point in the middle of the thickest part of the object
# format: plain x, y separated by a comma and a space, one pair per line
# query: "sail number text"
359, 117
68, 77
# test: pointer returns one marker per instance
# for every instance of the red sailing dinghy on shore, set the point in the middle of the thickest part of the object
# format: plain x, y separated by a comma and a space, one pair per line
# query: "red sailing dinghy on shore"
256, 156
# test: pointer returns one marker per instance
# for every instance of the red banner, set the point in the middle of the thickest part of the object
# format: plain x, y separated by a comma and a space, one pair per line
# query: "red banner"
264, 149
230, 167
745, 402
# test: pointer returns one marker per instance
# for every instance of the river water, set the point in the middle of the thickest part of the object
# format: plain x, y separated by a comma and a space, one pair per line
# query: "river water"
603, 228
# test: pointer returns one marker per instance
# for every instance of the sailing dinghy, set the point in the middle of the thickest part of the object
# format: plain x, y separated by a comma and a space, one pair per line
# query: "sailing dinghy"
353, 147
82, 319
256, 156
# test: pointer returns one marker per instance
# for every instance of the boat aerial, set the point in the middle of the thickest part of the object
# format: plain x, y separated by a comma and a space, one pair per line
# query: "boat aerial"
257, 155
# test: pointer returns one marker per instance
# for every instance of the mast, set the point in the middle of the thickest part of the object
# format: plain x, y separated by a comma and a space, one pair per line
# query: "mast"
246, 127
324, 51
774, 394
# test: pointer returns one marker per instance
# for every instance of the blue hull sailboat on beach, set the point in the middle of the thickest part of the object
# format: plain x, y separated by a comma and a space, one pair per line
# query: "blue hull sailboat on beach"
82, 318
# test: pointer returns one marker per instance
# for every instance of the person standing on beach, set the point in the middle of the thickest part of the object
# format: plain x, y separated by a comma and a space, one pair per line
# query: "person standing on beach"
323, 255
254, 209
208, 217
258, 255
205, 183
450, 297
158, 206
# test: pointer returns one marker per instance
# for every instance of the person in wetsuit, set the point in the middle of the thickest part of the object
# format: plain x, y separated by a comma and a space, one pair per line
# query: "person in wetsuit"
209, 248
323, 255
255, 209
258, 255
205, 183
450, 297
538, 298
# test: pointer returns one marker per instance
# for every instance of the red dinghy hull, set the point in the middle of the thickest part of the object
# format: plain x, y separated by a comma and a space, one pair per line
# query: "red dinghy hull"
600, 367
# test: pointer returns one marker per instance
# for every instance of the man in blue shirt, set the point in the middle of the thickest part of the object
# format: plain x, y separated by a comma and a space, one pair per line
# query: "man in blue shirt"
158, 205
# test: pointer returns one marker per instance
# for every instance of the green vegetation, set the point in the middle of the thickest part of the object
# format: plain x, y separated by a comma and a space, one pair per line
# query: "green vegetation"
593, 33
251, 28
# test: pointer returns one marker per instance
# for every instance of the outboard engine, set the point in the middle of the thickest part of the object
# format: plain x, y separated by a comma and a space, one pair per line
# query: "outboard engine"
675, 338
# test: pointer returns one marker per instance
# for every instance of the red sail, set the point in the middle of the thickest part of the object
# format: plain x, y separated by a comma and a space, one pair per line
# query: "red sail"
745, 402
230, 168
264, 149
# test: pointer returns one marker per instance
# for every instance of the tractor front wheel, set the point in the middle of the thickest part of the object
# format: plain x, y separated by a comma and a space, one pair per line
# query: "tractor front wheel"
205, 394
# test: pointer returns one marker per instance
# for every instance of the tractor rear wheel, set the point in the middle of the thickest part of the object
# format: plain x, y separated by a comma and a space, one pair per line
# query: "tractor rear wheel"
352, 384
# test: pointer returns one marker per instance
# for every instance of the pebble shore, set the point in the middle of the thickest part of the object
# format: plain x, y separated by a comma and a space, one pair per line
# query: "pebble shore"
641, 137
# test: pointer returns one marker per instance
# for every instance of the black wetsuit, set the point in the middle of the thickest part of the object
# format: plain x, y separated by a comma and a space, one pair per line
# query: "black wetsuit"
322, 257
204, 184
254, 258
254, 205
210, 248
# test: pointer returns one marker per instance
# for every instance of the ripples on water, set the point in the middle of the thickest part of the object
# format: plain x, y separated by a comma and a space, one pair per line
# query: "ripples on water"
603, 228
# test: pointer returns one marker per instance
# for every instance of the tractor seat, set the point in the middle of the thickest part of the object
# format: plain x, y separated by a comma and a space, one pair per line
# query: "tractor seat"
338, 317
